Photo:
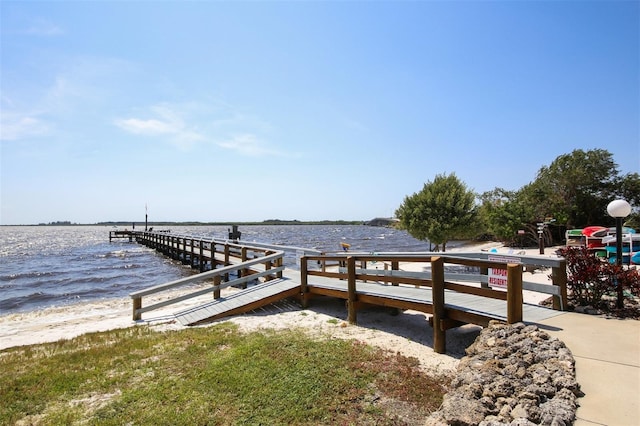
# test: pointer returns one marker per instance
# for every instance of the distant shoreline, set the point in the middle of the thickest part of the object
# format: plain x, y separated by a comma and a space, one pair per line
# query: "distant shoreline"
188, 223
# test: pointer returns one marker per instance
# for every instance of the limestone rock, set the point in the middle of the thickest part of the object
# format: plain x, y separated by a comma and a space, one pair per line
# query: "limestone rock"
512, 375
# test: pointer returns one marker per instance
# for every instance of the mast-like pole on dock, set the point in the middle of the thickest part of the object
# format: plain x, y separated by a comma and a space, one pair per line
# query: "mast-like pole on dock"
146, 216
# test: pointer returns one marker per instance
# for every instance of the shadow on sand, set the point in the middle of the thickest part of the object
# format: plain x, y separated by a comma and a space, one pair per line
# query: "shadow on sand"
411, 325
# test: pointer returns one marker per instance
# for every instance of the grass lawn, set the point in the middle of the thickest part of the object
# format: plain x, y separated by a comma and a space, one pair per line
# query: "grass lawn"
215, 376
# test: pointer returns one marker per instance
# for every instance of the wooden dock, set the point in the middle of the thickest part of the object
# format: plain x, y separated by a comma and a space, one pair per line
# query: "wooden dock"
120, 235
448, 298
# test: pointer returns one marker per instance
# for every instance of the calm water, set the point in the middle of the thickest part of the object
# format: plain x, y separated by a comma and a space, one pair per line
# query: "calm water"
42, 266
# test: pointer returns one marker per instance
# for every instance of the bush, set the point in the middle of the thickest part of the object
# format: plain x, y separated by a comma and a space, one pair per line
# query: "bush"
591, 280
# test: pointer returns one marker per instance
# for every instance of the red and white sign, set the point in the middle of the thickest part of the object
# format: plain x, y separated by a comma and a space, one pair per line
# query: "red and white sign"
498, 277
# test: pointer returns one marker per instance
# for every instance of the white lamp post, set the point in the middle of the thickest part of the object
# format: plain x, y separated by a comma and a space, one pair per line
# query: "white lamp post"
619, 209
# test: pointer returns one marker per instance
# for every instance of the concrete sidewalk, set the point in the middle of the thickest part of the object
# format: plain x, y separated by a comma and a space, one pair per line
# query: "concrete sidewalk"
607, 354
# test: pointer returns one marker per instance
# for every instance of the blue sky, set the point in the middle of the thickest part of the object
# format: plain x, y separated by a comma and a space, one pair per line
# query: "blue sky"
243, 111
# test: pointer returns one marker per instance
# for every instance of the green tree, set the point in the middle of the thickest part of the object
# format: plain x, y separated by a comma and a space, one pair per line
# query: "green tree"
628, 188
503, 214
576, 188
440, 212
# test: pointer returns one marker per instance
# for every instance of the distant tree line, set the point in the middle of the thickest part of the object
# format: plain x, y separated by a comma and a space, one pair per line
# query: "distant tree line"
574, 191
265, 222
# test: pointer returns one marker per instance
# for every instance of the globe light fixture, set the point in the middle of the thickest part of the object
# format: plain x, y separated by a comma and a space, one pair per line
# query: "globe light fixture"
619, 209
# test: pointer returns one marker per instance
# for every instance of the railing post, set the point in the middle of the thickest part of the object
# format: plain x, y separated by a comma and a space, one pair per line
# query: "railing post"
212, 252
226, 259
184, 250
174, 247
304, 283
216, 286
279, 263
137, 304
193, 258
267, 266
395, 265
245, 271
351, 286
484, 271
437, 291
201, 261
514, 293
559, 278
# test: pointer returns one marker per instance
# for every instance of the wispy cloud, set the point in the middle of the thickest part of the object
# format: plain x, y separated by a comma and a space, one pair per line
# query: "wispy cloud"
149, 127
166, 121
246, 144
16, 126
77, 89
185, 125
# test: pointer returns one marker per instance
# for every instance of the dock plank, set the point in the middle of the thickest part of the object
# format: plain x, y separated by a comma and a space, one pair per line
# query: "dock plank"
243, 301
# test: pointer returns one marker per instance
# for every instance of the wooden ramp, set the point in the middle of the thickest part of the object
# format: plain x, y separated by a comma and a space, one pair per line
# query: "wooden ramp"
241, 302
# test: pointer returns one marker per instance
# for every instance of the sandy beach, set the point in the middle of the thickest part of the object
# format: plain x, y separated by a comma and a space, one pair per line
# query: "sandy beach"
407, 332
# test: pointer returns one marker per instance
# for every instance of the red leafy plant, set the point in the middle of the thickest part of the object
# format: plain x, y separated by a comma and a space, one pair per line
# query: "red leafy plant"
590, 279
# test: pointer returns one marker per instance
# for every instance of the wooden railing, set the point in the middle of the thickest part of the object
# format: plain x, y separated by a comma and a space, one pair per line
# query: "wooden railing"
116, 235
390, 262
255, 265
200, 252
443, 318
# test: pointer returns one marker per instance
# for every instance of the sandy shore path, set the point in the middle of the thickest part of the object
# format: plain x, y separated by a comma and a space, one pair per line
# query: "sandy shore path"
407, 332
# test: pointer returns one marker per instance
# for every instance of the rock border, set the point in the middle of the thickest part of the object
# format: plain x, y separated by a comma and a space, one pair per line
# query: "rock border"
513, 374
